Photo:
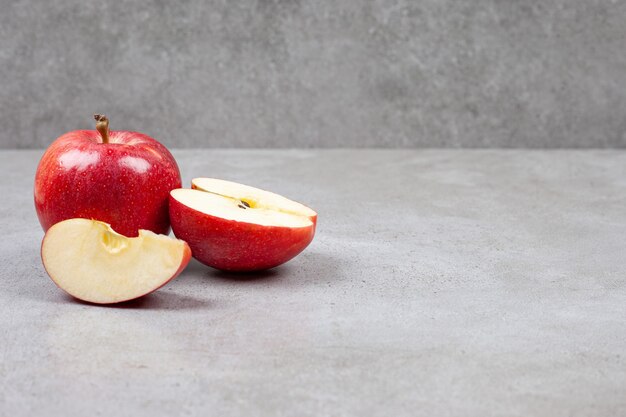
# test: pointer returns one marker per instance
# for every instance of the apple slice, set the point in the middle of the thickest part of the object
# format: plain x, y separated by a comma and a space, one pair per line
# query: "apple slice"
253, 197
92, 262
236, 227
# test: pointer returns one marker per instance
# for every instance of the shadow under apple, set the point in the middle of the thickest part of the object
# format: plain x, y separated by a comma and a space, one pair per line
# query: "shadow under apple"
308, 267
160, 300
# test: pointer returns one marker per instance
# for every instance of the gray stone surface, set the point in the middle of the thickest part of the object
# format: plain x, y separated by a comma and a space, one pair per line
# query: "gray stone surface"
437, 73
440, 283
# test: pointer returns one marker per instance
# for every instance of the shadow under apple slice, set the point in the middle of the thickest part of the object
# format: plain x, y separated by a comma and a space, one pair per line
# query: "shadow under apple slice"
264, 275
312, 267
198, 269
161, 300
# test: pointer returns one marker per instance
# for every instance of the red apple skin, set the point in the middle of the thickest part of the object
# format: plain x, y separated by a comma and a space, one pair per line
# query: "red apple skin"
236, 246
183, 264
125, 182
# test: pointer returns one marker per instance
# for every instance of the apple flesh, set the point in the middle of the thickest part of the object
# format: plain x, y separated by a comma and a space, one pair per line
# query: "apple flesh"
235, 227
92, 262
118, 177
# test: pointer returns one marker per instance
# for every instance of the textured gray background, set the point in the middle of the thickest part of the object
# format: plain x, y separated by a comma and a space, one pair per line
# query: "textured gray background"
318, 73
482, 283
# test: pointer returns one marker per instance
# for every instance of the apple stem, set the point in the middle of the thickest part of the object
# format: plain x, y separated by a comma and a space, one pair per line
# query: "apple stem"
102, 126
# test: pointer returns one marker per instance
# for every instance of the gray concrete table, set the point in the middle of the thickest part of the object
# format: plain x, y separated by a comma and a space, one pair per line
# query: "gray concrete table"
440, 283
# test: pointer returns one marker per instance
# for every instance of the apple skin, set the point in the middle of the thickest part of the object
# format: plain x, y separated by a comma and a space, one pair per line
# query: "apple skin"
125, 182
236, 246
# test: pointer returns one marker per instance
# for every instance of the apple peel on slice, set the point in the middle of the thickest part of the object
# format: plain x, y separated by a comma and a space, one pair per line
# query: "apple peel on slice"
235, 227
91, 262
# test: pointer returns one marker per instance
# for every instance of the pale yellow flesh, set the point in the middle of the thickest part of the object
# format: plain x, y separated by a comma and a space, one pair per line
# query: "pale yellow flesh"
92, 262
255, 197
263, 210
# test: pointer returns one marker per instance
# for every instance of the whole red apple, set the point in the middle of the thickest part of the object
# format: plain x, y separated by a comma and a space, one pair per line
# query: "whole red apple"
118, 177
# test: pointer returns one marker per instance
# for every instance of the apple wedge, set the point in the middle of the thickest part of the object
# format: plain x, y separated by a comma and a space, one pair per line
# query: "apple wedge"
92, 262
236, 227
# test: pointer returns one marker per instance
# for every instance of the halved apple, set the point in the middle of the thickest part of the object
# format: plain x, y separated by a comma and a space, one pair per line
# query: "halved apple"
92, 262
236, 227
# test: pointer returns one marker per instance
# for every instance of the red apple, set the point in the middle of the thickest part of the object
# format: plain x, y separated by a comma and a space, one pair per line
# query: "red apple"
119, 177
235, 227
90, 261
